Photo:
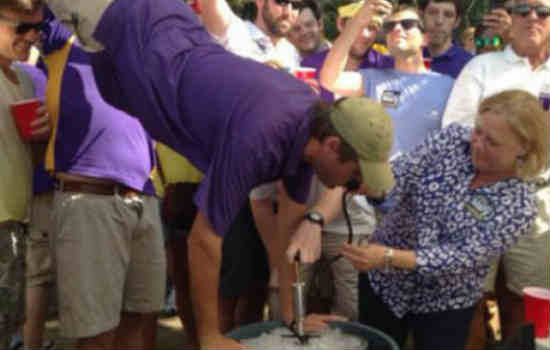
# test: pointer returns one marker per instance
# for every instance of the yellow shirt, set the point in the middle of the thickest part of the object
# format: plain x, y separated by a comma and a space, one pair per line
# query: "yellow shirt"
175, 167
15, 158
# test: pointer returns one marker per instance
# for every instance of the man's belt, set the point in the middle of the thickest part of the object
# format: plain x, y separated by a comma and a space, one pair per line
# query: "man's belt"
105, 189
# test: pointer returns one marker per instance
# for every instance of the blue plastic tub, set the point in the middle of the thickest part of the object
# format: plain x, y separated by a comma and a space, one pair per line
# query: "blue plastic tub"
377, 340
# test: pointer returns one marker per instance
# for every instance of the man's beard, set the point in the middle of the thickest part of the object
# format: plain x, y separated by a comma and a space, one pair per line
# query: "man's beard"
272, 24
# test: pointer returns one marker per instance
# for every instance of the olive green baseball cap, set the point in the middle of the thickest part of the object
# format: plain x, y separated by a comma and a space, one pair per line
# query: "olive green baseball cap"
367, 127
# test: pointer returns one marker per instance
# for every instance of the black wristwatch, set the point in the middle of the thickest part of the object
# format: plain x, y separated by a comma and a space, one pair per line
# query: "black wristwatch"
315, 217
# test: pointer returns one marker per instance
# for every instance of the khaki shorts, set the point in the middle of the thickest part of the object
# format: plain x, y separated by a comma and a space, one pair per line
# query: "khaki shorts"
39, 263
12, 278
526, 263
109, 258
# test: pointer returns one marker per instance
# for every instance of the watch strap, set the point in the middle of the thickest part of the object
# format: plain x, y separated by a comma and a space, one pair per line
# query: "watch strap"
315, 217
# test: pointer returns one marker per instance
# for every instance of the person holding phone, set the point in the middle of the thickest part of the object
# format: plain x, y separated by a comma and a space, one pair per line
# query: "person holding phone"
263, 39
498, 19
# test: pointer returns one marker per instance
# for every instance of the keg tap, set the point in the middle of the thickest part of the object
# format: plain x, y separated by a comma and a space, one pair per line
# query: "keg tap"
299, 301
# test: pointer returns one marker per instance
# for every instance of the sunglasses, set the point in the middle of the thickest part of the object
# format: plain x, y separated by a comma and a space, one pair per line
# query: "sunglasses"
295, 4
482, 42
24, 27
406, 24
525, 9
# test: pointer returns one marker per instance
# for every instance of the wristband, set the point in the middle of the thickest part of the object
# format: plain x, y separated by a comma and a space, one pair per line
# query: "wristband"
388, 259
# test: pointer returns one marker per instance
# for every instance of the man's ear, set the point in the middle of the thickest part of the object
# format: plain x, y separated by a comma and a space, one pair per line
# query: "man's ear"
457, 23
332, 143
340, 24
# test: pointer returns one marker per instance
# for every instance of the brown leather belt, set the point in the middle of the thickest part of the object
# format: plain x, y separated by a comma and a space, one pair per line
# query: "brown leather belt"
96, 188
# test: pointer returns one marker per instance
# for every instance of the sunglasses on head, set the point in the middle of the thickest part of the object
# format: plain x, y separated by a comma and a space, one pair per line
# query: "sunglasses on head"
24, 27
525, 9
295, 4
482, 42
406, 24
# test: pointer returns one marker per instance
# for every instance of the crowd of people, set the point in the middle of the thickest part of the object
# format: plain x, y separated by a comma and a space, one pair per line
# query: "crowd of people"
177, 141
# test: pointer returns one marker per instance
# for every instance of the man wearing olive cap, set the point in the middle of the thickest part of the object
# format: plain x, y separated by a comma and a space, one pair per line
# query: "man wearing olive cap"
239, 122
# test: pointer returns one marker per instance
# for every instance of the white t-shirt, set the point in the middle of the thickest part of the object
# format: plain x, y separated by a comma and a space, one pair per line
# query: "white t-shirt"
361, 213
15, 157
245, 39
488, 74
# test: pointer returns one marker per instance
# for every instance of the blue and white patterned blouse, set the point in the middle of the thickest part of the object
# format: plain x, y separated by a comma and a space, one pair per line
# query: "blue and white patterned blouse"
454, 230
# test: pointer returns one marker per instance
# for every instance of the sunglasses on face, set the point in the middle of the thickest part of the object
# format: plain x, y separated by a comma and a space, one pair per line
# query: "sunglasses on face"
406, 24
525, 9
24, 27
482, 42
295, 4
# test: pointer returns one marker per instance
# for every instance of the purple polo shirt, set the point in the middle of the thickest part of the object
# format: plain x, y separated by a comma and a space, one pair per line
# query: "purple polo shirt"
91, 137
372, 59
238, 121
451, 62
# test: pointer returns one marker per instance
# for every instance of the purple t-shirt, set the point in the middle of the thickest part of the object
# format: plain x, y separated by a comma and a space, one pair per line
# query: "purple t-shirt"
451, 62
93, 138
240, 122
372, 59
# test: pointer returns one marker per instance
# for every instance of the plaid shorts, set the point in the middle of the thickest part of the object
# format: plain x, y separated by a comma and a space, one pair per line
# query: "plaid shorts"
12, 276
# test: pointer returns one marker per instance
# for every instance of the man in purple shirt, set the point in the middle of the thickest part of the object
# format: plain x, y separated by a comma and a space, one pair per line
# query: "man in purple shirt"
441, 18
106, 241
361, 55
239, 122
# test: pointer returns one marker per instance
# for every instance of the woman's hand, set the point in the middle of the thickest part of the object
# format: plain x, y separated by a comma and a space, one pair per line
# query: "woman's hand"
364, 258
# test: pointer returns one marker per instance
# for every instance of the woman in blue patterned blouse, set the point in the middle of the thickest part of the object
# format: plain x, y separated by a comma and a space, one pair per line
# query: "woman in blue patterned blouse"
461, 198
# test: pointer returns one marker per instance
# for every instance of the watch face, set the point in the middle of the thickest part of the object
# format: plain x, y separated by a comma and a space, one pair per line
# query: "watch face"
315, 216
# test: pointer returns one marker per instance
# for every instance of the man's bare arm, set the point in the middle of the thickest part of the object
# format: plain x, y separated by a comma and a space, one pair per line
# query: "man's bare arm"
289, 216
205, 255
216, 16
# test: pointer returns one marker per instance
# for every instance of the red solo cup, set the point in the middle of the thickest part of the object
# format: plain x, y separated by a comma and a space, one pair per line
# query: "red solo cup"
24, 113
537, 309
304, 73
196, 6
428, 62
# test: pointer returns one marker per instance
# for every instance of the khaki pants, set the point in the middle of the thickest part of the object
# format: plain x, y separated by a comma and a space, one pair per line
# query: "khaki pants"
345, 278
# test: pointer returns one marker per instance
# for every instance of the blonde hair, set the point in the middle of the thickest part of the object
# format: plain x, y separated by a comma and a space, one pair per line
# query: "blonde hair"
529, 122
